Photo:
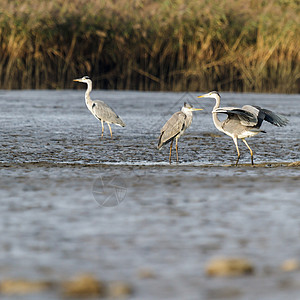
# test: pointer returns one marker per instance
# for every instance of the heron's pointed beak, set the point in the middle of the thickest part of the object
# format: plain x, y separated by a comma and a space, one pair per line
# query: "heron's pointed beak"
205, 96
195, 109
76, 80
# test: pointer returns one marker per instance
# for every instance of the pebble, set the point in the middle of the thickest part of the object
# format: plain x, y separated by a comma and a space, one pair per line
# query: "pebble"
84, 285
119, 289
22, 286
229, 267
290, 265
146, 274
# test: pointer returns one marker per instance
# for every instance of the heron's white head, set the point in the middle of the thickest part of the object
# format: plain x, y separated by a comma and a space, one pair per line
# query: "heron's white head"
189, 108
212, 94
84, 79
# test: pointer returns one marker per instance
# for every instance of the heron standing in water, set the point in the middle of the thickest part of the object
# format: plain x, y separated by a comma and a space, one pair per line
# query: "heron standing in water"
100, 109
175, 127
242, 122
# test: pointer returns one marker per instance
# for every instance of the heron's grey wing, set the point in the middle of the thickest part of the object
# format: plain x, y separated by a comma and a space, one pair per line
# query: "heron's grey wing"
172, 128
225, 109
257, 115
252, 109
246, 116
105, 113
273, 118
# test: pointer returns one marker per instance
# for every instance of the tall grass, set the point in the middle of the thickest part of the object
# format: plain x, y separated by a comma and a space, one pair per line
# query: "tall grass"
234, 45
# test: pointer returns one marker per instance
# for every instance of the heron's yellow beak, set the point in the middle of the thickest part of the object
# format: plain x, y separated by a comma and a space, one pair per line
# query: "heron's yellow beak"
201, 96
194, 109
76, 80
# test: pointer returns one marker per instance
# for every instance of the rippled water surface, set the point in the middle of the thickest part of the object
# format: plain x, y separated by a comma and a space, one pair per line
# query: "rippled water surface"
61, 185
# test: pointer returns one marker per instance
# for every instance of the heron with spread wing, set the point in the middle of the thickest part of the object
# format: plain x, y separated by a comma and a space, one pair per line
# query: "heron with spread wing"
176, 126
100, 109
242, 122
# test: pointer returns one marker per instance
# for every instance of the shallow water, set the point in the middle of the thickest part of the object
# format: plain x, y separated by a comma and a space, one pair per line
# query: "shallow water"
60, 186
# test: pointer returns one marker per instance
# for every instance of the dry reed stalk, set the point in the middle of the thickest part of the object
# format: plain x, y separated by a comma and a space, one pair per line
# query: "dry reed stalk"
152, 45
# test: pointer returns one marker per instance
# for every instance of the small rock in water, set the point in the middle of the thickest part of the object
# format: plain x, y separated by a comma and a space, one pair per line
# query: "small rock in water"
21, 286
290, 265
229, 267
83, 286
119, 289
146, 274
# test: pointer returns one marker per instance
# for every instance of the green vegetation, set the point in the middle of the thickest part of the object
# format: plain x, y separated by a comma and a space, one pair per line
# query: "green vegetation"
233, 45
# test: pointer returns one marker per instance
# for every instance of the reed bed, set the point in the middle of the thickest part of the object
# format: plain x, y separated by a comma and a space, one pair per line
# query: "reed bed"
184, 45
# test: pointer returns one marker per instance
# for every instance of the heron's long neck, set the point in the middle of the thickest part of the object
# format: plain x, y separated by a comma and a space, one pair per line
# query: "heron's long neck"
88, 100
216, 120
189, 117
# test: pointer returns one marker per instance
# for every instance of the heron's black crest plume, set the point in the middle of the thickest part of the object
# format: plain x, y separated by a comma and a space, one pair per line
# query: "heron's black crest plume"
215, 92
186, 104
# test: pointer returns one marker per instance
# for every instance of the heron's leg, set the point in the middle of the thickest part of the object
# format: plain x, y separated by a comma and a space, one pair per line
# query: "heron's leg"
251, 152
237, 149
177, 150
102, 128
109, 129
170, 151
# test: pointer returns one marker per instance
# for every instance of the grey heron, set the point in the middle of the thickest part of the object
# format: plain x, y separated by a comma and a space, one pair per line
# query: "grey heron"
100, 109
242, 122
176, 126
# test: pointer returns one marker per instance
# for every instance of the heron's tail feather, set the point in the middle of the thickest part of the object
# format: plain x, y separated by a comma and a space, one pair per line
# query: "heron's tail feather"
160, 143
257, 130
162, 140
120, 122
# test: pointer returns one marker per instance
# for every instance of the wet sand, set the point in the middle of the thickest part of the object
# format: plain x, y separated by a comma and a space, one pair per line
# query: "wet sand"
73, 204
